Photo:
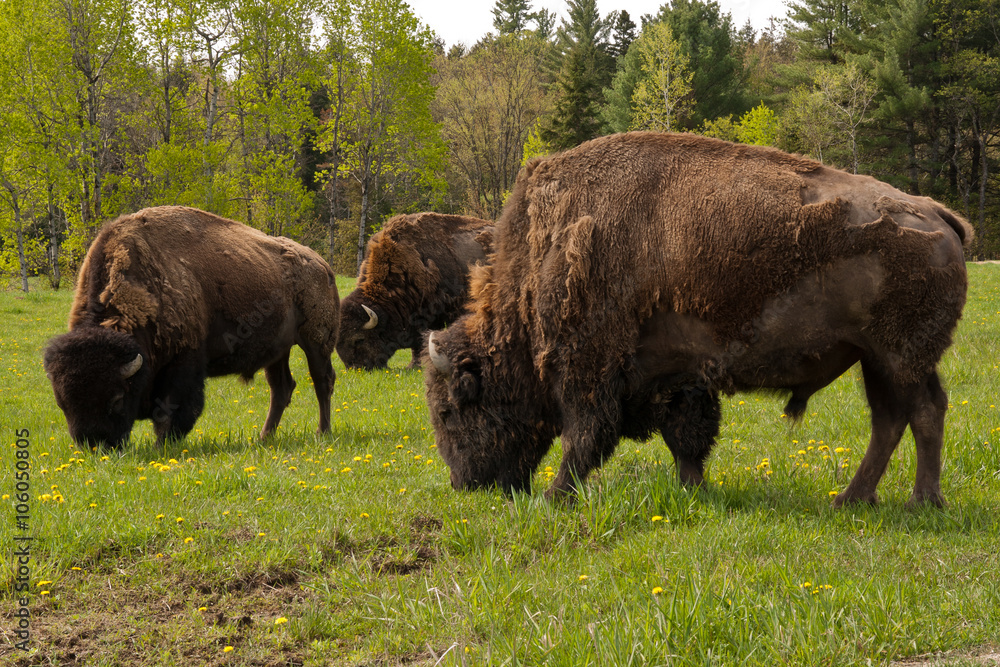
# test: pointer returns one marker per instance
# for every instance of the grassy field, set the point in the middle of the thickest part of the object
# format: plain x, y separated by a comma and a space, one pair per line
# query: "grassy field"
352, 549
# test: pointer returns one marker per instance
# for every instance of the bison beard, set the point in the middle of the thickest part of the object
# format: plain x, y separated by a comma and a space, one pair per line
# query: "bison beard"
169, 296
638, 276
415, 277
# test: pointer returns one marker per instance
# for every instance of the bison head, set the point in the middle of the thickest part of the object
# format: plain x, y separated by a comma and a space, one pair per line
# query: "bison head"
367, 336
492, 421
98, 376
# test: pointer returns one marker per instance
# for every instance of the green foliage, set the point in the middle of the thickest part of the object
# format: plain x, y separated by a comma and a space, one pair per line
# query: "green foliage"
511, 17
708, 41
388, 135
721, 128
662, 98
623, 33
617, 112
759, 126
534, 146
491, 100
295, 114
584, 71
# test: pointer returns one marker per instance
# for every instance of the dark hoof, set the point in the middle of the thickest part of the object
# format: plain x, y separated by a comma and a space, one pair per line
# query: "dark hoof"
933, 498
690, 475
845, 499
561, 496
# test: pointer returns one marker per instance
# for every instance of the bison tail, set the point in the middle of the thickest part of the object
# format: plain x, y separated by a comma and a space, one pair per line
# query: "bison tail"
959, 224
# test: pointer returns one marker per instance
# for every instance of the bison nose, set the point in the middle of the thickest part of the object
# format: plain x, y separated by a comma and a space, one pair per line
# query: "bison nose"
455, 484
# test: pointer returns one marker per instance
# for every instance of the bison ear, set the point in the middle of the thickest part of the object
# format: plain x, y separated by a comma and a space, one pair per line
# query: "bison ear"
466, 386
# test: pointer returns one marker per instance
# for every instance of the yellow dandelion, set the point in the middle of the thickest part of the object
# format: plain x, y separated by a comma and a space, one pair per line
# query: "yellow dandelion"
44, 593
583, 577
180, 519
364, 515
657, 518
281, 620
202, 608
657, 590
228, 649
188, 540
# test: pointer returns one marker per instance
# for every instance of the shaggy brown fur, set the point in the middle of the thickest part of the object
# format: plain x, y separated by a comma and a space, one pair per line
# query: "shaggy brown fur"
195, 295
415, 278
638, 275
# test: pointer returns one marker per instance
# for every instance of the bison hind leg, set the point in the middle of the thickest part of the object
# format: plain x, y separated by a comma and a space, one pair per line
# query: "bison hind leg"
689, 425
323, 376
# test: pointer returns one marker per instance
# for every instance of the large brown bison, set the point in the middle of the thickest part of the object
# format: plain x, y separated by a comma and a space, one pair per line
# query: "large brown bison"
169, 296
415, 277
639, 275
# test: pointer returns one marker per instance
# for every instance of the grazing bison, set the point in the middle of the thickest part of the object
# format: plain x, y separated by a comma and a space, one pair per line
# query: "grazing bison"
639, 275
169, 296
415, 277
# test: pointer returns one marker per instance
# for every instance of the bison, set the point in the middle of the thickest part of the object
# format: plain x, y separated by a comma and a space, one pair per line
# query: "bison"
169, 296
414, 278
639, 275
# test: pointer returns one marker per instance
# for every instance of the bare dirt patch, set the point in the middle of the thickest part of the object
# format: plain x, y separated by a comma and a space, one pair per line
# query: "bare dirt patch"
985, 657
115, 620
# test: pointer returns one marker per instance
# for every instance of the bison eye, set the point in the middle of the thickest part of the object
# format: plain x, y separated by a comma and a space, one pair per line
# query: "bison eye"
117, 406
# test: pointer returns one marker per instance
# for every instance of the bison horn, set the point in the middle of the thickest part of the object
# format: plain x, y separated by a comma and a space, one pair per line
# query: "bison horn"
132, 367
441, 362
372, 318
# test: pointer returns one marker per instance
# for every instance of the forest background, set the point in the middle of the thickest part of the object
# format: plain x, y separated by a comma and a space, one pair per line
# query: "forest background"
320, 119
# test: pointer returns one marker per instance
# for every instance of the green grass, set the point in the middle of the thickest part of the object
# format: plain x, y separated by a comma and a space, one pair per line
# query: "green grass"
359, 542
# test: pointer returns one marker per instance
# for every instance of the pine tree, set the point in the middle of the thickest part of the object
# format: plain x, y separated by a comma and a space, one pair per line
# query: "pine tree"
511, 17
623, 33
585, 71
818, 26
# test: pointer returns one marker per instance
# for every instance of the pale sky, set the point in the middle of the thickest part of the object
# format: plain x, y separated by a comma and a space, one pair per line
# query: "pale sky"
466, 21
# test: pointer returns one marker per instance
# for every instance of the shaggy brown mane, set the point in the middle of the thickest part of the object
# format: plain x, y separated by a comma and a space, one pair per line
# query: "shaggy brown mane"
116, 282
566, 256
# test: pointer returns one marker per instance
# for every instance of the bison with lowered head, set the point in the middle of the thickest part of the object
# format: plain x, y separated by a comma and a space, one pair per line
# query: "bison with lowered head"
169, 296
637, 276
415, 277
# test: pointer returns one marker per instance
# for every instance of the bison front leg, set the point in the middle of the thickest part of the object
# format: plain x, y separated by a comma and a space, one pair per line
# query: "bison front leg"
590, 435
279, 379
416, 350
178, 397
689, 426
